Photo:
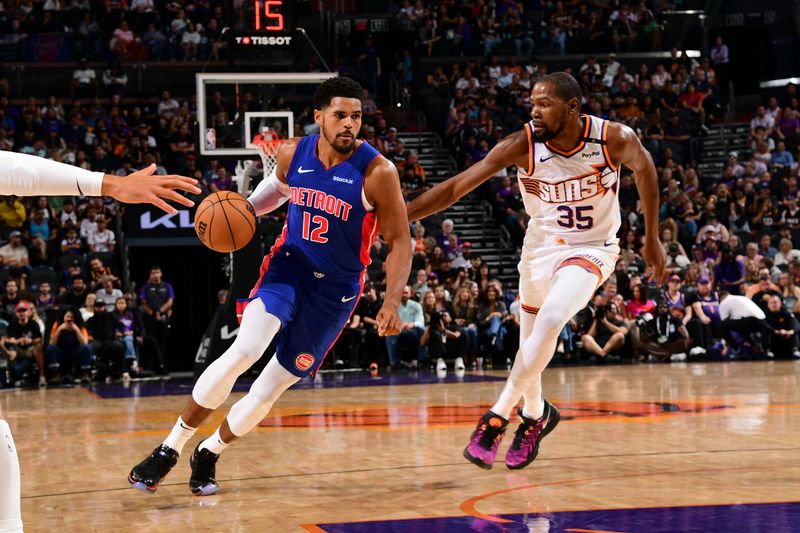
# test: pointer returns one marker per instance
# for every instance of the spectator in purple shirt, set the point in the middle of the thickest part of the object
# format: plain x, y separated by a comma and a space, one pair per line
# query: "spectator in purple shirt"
729, 273
221, 181
788, 127
156, 299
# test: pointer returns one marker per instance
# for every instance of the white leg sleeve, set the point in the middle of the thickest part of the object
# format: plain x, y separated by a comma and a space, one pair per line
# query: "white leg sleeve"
571, 289
509, 397
264, 392
255, 333
10, 515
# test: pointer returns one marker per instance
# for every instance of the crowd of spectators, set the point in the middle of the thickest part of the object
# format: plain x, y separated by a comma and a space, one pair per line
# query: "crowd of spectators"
147, 30
729, 235
512, 27
59, 256
138, 30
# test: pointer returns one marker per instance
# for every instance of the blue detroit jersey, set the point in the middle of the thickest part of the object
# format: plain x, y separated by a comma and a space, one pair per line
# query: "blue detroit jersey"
327, 222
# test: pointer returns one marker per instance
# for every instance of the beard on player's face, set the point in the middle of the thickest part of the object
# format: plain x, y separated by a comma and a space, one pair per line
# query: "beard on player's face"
547, 133
340, 143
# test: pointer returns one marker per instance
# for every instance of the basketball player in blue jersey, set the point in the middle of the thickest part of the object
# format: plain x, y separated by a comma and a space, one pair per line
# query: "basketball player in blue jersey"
340, 190
568, 168
27, 175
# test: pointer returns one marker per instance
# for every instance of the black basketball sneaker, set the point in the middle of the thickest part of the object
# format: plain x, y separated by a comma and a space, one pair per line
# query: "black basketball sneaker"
148, 474
204, 470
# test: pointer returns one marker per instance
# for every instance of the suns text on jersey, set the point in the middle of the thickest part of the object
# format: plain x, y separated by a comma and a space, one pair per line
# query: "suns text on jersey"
569, 190
315, 199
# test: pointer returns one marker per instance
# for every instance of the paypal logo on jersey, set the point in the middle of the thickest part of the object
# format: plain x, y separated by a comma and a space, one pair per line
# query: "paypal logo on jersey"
342, 180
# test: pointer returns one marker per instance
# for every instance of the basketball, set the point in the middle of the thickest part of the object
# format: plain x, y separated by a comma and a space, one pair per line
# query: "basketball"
225, 221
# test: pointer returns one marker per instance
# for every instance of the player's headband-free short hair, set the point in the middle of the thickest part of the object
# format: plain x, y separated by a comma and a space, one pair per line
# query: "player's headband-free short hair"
565, 86
336, 87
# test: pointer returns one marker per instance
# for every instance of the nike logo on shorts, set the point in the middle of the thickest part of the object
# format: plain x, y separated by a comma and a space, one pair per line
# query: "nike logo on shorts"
301, 171
345, 300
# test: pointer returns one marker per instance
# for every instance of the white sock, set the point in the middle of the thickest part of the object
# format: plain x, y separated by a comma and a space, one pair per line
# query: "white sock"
533, 407
214, 443
10, 514
179, 436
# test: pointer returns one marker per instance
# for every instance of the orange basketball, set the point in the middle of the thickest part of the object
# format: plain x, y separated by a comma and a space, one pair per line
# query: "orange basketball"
225, 221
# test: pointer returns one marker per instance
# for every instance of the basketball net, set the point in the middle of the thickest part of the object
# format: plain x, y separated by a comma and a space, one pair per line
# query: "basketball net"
268, 150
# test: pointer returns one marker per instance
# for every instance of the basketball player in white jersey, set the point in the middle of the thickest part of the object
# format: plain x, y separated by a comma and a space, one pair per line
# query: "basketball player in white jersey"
27, 175
569, 167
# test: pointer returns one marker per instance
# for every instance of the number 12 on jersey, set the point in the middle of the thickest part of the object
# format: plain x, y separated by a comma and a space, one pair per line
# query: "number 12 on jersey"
318, 233
576, 217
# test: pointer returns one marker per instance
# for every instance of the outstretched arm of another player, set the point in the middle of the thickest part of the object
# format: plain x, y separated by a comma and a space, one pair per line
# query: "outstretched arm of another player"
512, 150
27, 175
145, 187
383, 185
625, 149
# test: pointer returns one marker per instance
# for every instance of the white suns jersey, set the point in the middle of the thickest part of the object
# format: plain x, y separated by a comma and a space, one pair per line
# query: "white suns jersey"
571, 196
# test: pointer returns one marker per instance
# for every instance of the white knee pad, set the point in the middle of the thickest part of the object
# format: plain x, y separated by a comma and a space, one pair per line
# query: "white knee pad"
265, 391
255, 333
10, 515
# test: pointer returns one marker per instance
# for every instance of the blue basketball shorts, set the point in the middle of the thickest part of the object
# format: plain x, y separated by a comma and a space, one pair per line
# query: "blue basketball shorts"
313, 308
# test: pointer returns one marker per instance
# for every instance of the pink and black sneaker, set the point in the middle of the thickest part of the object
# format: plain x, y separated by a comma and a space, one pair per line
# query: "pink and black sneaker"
529, 434
485, 440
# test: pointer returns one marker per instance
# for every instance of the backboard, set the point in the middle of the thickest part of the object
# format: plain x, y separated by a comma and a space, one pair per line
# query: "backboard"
234, 109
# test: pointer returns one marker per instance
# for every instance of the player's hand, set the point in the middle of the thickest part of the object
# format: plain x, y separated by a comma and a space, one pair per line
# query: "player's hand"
143, 186
388, 322
654, 256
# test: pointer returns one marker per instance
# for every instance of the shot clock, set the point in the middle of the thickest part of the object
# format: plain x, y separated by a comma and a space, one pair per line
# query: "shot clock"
263, 23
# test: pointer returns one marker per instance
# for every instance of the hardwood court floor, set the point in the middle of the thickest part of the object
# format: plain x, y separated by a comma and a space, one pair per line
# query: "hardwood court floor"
701, 439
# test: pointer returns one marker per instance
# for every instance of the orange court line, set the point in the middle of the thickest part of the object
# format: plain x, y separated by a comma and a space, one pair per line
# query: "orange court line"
468, 506
412, 422
312, 528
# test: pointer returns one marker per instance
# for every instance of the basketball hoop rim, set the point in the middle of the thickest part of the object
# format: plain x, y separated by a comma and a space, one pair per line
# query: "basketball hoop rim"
268, 147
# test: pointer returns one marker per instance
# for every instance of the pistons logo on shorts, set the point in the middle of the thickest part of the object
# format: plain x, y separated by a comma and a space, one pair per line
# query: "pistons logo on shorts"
304, 361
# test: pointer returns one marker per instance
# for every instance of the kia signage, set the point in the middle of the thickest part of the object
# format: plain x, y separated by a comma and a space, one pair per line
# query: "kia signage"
144, 222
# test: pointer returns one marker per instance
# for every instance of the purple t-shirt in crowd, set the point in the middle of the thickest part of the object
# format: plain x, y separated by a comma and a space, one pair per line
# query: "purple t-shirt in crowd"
729, 272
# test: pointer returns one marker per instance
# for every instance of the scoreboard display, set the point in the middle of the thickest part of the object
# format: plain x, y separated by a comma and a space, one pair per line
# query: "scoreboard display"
263, 23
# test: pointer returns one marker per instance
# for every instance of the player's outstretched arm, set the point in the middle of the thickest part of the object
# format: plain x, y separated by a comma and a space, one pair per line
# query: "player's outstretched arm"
27, 175
625, 149
512, 150
383, 185
145, 187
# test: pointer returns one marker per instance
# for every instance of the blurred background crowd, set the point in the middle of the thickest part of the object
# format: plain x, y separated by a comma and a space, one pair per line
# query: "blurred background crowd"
70, 310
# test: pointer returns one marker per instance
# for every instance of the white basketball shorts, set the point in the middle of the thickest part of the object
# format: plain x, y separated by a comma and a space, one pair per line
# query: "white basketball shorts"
538, 267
